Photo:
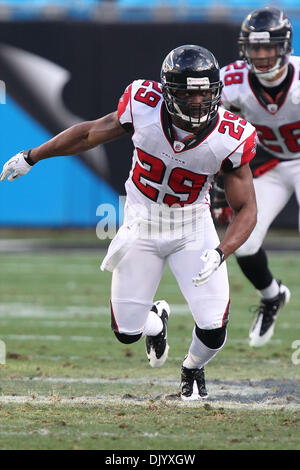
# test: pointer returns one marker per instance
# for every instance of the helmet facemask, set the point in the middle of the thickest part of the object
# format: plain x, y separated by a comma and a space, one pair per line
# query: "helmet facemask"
194, 113
280, 51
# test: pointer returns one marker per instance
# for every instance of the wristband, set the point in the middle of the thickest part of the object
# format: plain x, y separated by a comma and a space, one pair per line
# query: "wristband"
219, 189
27, 158
222, 256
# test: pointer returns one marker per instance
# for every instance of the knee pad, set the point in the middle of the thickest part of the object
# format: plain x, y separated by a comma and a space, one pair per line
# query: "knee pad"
127, 339
213, 339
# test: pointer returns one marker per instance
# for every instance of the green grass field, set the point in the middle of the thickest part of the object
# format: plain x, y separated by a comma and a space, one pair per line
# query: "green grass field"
68, 384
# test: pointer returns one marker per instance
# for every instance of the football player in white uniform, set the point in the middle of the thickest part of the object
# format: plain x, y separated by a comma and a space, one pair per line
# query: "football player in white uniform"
264, 88
181, 141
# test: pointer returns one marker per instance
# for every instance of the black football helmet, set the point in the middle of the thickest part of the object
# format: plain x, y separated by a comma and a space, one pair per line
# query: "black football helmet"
268, 26
191, 68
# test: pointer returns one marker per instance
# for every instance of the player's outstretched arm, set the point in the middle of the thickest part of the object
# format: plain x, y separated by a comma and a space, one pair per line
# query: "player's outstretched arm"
74, 140
240, 195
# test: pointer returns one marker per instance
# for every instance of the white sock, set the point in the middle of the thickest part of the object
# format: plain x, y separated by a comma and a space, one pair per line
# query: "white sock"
191, 361
199, 354
153, 325
271, 291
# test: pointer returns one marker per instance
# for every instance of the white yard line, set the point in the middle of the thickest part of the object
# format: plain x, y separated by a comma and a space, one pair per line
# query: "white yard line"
54, 321
92, 339
33, 311
21, 310
59, 324
178, 359
86, 339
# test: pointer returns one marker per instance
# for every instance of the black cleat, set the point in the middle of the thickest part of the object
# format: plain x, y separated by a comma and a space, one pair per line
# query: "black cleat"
189, 377
156, 346
262, 328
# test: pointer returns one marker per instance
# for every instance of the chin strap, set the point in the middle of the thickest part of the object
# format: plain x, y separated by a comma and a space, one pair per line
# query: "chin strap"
272, 84
193, 121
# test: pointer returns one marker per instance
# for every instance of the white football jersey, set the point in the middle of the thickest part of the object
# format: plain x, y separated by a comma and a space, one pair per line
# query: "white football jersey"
277, 121
167, 170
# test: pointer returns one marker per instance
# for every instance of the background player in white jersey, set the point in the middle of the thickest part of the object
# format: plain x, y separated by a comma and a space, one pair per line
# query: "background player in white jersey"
264, 88
181, 140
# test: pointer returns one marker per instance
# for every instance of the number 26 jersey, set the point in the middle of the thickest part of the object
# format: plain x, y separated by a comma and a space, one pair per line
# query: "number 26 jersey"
170, 171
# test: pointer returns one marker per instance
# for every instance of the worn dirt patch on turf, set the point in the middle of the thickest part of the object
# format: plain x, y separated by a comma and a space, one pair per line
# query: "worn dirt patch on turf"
263, 391
268, 393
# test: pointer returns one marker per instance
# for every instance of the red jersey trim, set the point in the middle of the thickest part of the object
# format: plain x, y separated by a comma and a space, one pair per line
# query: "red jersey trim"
265, 167
123, 102
226, 314
114, 325
247, 153
249, 149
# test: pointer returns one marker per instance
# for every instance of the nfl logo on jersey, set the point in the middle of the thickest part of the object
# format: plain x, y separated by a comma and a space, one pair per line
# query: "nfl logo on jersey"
272, 108
178, 146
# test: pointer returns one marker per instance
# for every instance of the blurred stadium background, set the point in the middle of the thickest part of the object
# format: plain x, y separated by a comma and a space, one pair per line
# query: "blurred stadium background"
67, 383
63, 61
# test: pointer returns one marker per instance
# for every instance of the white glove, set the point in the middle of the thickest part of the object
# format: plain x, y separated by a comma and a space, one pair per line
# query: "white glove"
212, 260
15, 167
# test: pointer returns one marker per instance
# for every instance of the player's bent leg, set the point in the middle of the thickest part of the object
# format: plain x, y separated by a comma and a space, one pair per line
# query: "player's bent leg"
128, 317
272, 195
209, 305
210, 308
134, 283
157, 347
274, 295
153, 325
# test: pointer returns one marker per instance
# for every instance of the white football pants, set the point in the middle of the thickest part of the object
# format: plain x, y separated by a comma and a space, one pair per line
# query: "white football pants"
136, 278
273, 191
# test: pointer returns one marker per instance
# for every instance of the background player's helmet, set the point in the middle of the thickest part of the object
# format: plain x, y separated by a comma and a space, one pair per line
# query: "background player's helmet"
267, 26
191, 67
